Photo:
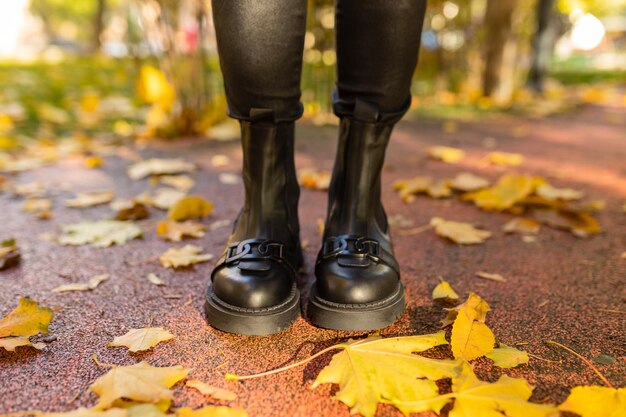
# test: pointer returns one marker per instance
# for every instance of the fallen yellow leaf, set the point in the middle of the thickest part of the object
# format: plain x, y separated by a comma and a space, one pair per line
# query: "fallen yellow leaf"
468, 182
211, 391
27, 319
154, 279
551, 193
176, 231
101, 233
211, 411
507, 356
83, 286
505, 159
11, 343
90, 199
153, 87
444, 291
314, 179
385, 370
185, 256
594, 401
522, 226
180, 182
140, 382
446, 154
509, 189
9, 254
93, 162
137, 340
190, 207
463, 233
89, 412
159, 166
471, 338
490, 276
409, 188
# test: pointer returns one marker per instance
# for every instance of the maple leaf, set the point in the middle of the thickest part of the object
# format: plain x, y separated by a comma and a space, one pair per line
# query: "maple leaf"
101, 233
444, 291
446, 154
439, 189
139, 382
90, 199
27, 319
211, 391
505, 159
137, 340
211, 411
463, 233
471, 338
176, 231
375, 370
162, 198
185, 256
92, 284
507, 356
475, 398
465, 181
509, 189
522, 226
9, 254
595, 401
158, 166
408, 188
190, 207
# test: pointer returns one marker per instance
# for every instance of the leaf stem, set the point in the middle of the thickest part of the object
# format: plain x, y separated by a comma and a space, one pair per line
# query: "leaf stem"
233, 377
591, 365
106, 365
543, 359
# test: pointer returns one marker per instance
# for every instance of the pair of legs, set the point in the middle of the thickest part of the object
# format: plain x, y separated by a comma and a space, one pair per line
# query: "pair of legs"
260, 43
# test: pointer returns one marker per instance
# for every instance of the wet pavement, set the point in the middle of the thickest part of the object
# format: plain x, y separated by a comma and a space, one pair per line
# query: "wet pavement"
560, 287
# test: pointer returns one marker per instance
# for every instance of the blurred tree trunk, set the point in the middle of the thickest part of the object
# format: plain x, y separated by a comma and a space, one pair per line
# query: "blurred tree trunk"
98, 26
499, 28
543, 43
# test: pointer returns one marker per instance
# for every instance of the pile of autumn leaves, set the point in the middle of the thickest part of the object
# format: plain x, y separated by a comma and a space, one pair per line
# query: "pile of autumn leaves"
518, 194
367, 371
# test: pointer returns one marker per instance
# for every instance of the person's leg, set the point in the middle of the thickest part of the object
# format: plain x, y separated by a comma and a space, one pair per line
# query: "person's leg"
358, 279
260, 45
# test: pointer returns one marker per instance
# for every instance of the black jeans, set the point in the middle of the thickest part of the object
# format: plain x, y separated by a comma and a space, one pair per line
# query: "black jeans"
260, 44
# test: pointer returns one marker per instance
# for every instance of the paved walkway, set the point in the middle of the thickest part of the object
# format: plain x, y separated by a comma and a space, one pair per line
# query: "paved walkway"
559, 287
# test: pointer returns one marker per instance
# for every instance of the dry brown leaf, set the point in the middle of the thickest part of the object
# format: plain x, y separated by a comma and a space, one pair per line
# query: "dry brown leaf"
466, 181
579, 223
463, 233
185, 256
446, 154
92, 284
176, 231
137, 340
522, 226
158, 166
490, 276
190, 207
211, 391
9, 254
90, 199
136, 211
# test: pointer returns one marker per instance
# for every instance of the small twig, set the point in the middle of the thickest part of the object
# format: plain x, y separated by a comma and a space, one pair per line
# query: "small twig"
609, 310
233, 377
591, 365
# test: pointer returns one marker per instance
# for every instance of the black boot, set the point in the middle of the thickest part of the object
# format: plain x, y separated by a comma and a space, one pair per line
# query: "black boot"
358, 279
253, 286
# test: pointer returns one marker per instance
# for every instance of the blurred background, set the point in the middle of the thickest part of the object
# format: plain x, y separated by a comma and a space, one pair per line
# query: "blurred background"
149, 68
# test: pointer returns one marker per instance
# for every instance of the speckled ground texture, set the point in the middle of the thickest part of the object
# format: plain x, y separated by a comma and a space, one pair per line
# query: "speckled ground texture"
559, 287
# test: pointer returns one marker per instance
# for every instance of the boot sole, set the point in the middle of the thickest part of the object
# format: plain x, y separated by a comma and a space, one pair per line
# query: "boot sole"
356, 317
248, 321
